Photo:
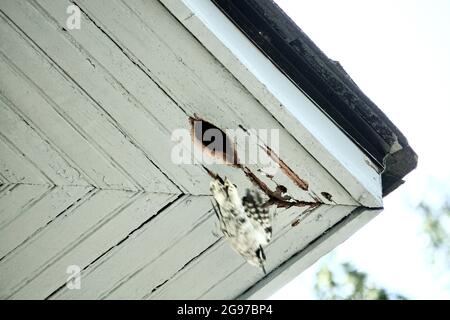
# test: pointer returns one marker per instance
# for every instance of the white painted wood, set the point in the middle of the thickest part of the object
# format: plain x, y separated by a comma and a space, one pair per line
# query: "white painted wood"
37, 215
33, 106
293, 240
105, 235
59, 237
76, 107
167, 267
304, 120
142, 282
128, 114
168, 70
79, 113
86, 118
17, 199
232, 274
305, 258
4, 188
315, 173
171, 56
37, 150
146, 246
141, 285
15, 168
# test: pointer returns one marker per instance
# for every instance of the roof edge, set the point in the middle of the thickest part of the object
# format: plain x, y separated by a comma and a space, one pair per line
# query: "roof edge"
326, 83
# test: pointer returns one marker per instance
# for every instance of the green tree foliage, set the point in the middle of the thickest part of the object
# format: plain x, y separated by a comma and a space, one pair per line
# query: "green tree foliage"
436, 226
345, 282
348, 283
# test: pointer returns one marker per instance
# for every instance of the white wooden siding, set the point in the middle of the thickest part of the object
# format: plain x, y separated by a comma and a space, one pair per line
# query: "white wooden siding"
86, 178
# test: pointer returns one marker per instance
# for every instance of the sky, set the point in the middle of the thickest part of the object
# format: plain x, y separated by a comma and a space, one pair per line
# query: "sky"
398, 52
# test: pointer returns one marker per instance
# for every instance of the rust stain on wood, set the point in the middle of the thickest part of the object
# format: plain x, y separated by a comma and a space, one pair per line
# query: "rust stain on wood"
287, 171
276, 197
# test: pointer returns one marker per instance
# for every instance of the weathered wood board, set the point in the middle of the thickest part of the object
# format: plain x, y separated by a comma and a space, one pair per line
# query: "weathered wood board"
87, 176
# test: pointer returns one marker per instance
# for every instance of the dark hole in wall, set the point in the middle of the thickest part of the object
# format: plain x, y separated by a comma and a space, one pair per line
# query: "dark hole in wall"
213, 140
327, 196
295, 223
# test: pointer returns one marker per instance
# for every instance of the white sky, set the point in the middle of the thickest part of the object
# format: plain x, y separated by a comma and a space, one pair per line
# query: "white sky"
398, 52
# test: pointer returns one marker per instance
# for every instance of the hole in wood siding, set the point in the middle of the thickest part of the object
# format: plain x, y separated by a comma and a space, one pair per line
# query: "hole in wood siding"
282, 189
295, 223
287, 171
213, 141
327, 196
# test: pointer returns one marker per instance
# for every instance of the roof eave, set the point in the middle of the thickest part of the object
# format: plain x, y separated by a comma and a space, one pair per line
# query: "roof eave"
325, 82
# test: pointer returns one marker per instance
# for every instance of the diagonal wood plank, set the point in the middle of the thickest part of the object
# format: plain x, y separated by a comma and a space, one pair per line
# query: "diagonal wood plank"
99, 169
37, 216
15, 167
146, 246
294, 240
169, 265
188, 249
300, 115
59, 237
126, 219
128, 114
226, 263
72, 121
17, 131
86, 173
17, 199
170, 55
218, 256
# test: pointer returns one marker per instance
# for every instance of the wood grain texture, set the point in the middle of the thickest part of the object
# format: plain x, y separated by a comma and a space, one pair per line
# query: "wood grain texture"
86, 173
295, 111
27, 222
101, 237
146, 246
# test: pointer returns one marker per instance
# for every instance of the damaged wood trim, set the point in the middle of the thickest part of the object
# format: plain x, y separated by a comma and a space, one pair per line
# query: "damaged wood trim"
291, 107
276, 197
304, 258
302, 184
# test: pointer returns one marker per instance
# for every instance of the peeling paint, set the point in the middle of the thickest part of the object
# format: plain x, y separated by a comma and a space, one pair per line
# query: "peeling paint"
288, 171
270, 176
276, 197
327, 196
